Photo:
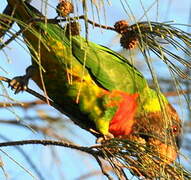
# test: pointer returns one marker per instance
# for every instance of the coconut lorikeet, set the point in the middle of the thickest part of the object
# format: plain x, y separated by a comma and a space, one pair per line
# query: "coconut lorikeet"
96, 85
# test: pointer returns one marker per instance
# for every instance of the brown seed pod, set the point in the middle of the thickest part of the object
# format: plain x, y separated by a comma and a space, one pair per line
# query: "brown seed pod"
121, 26
129, 40
73, 28
64, 8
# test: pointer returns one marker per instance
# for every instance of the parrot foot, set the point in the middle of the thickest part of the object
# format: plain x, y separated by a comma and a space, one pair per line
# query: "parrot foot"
20, 83
104, 138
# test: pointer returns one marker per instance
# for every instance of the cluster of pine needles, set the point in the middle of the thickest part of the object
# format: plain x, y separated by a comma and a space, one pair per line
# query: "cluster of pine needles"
164, 39
142, 161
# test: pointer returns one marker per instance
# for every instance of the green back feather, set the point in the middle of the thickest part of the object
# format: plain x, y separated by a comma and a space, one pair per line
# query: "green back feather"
107, 67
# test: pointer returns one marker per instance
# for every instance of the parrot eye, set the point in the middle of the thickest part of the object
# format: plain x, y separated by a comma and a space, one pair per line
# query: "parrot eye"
175, 129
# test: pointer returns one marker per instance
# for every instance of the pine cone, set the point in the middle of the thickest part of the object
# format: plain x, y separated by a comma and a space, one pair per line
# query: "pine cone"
73, 28
121, 26
64, 8
129, 40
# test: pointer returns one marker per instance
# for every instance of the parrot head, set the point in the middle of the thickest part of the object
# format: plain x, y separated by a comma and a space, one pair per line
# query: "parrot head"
162, 134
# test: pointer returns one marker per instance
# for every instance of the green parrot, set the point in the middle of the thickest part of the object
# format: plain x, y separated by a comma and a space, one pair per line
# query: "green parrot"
96, 85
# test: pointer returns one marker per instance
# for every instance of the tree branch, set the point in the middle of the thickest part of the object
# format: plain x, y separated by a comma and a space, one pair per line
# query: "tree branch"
50, 142
25, 105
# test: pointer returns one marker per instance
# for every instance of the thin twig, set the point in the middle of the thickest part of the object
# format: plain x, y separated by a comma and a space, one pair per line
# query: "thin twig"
177, 93
94, 173
14, 36
19, 164
52, 21
25, 105
44, 130
104, 171
49, 142
27, 158
30, 91
57, 21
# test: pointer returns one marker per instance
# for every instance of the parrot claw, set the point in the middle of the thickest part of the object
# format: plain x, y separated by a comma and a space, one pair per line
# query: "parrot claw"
104, 138
19, 83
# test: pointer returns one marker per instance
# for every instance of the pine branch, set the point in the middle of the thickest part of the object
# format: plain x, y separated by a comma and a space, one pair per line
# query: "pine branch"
24, 105
50, 142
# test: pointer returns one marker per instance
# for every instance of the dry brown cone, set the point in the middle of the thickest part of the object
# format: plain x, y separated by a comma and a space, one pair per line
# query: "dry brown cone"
129, 40
121, 26
73, 28
64, 8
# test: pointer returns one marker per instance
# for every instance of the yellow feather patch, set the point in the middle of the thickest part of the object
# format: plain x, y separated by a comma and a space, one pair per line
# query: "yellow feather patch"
150, 101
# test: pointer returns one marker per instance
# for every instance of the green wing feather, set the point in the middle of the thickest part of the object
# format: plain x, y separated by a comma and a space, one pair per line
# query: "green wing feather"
107, 67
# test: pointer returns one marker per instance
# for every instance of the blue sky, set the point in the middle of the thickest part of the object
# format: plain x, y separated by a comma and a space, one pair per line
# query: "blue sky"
18, 59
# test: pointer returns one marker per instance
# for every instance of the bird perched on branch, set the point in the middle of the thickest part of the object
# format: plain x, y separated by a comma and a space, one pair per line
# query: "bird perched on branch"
95, 85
